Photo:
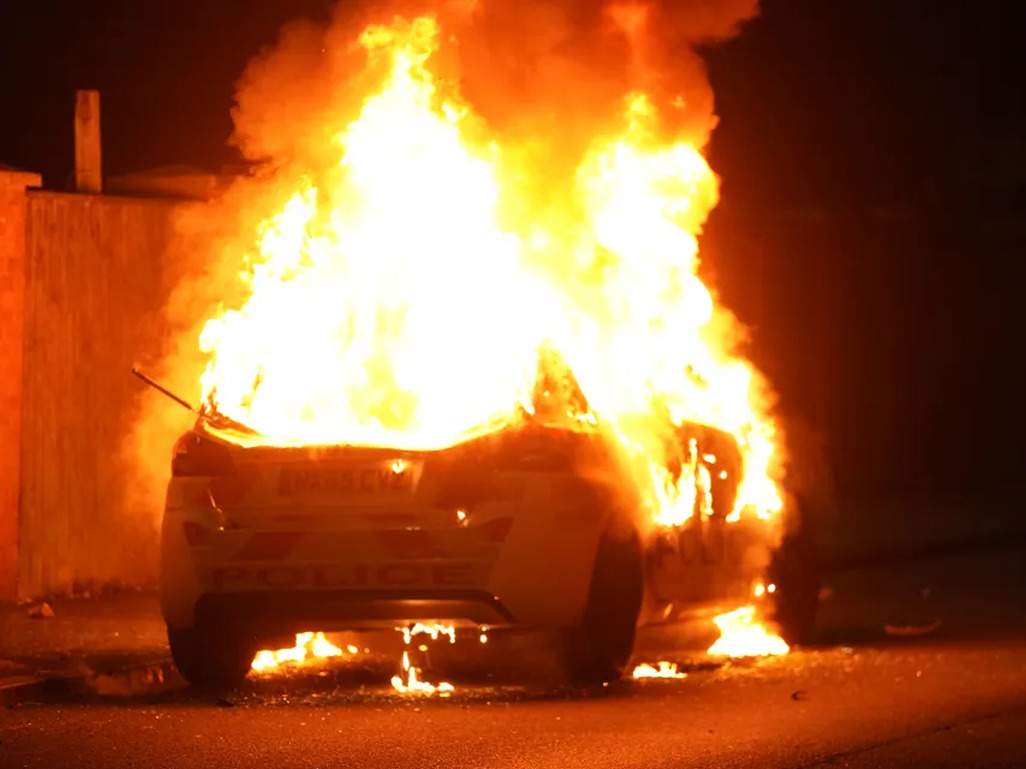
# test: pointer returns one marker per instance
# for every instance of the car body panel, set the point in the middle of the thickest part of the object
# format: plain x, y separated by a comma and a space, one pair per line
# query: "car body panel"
502, 530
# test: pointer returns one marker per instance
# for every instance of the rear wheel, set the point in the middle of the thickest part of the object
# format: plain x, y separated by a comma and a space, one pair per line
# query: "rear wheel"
209, 659
795, 571
597, 650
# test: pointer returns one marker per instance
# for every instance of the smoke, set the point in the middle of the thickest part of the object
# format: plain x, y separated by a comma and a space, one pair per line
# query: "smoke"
528, 67
567, 62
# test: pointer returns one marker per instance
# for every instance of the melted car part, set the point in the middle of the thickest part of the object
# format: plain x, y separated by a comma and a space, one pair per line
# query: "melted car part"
211, 416
195, 454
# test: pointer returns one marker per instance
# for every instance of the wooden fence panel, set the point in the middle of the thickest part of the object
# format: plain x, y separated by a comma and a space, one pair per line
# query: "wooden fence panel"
96, 282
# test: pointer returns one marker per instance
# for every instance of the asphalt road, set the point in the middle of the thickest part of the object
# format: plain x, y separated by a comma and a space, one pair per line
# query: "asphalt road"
863, 698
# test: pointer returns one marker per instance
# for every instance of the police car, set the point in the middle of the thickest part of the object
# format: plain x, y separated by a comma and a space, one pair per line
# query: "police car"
530, 527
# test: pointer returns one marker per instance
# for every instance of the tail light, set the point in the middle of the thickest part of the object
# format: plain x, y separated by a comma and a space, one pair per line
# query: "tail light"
196, 455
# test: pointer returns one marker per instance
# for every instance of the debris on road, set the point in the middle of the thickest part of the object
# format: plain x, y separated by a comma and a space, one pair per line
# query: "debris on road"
41, 611
912, 631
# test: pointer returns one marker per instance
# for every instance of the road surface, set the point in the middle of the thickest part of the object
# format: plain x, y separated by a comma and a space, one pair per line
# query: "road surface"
955, 697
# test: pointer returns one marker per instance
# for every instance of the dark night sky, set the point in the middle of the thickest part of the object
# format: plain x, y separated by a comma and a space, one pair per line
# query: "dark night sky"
845, 109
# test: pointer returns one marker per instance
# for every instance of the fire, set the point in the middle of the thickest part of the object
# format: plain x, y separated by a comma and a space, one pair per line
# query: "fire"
742, 636
408, 680
373, 293
307, 644
404, 293
662, 669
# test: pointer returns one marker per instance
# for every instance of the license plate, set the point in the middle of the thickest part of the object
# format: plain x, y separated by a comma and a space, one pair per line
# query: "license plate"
345, 480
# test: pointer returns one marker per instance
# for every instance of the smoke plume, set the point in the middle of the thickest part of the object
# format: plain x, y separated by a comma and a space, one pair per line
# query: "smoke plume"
527, 67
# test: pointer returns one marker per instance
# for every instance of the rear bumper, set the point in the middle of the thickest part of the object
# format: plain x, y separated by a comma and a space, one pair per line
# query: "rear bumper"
273, 612
537, 576
529, 543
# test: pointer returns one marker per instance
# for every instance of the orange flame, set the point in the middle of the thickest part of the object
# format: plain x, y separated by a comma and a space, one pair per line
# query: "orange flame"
402, 295
742, 636
661, 669
307, 644
408, 681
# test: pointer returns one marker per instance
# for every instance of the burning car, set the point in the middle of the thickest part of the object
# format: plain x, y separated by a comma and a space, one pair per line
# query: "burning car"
532, 526
469, 374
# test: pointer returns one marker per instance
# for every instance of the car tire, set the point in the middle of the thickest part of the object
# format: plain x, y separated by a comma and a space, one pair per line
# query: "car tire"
795, 570
211, 660
598, 649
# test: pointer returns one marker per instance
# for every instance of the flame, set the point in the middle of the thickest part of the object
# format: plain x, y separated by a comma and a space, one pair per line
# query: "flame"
404, 294
408, 681
307, 644
742, 636
662, 669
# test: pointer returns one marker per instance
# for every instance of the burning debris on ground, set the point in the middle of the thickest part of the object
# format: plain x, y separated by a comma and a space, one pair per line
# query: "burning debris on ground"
311, 644
742, 636
661, 669
409, 680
